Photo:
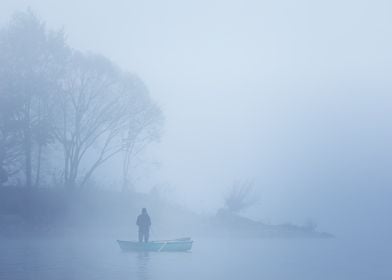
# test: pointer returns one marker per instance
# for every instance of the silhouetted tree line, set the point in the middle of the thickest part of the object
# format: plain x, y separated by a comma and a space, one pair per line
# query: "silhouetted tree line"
59, 105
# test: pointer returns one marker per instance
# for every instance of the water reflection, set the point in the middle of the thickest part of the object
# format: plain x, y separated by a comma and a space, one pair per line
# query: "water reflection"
142, 270
56, 259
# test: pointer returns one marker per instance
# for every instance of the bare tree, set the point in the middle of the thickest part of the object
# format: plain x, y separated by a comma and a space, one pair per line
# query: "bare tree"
240, 197
95, 108
143, 127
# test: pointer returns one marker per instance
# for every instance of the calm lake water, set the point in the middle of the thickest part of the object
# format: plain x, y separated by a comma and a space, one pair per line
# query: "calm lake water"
229, 259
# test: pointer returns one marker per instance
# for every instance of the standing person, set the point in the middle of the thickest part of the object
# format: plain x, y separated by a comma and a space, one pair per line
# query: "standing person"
143, 222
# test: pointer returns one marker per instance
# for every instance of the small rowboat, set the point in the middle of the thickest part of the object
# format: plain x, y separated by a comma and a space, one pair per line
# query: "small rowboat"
174, 245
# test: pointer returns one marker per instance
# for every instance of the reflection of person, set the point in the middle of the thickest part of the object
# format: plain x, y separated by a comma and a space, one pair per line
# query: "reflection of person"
143, 222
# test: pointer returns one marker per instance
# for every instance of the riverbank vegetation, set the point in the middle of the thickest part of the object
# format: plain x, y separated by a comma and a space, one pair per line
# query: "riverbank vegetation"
64, 113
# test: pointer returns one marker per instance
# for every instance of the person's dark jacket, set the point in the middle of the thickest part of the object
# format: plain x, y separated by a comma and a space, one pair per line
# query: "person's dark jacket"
143, 222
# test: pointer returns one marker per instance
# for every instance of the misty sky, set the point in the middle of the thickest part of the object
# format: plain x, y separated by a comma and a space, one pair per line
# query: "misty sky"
296, 95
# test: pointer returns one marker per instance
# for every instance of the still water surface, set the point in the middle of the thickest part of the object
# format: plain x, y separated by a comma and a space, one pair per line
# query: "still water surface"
229, 259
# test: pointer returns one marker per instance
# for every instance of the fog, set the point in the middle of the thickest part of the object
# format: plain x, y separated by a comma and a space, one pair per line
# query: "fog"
294, 96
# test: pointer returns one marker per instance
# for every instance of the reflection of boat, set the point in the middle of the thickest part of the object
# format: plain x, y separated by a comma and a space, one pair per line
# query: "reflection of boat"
173, 245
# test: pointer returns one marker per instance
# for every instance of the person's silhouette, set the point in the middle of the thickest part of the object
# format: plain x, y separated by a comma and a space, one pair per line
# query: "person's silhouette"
143, 222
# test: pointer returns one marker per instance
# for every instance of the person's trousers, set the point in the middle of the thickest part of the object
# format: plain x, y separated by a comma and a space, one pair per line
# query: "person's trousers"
143, 235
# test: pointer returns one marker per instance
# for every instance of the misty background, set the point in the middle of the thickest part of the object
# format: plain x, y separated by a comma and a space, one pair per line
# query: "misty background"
295, 95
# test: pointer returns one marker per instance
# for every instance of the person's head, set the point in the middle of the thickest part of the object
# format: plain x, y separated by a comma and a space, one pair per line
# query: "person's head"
144, 211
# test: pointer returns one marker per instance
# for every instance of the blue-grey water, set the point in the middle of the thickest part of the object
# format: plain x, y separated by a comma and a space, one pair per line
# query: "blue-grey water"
229, 259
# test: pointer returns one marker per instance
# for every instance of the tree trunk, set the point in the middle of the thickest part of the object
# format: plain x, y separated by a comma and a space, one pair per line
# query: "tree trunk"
28, 164
28, 144
38, 173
